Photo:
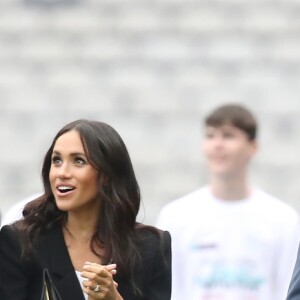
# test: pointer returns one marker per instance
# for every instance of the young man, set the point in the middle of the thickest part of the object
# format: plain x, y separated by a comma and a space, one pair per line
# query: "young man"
230, 240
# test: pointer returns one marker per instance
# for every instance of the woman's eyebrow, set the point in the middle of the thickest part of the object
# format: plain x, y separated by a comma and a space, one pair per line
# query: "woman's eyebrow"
70, 154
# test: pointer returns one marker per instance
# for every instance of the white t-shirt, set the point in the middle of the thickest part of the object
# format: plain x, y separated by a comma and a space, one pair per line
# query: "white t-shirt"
80, 279
14, 213
231, 250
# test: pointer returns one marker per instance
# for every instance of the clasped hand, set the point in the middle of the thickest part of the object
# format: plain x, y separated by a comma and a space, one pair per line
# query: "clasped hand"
99, 283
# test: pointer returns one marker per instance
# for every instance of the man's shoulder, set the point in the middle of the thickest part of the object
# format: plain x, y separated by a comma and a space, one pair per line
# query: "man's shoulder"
274, 205
176, 213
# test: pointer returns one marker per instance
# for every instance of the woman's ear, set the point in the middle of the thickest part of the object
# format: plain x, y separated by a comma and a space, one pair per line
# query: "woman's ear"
104, 184
104, 180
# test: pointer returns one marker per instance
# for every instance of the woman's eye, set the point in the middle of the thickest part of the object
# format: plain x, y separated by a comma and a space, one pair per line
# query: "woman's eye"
56, 160
79, 161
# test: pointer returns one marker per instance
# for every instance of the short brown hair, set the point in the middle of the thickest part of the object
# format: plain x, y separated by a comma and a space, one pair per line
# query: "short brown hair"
236, 115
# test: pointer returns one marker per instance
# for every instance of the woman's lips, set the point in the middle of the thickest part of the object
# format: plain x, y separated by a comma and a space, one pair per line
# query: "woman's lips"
64, 189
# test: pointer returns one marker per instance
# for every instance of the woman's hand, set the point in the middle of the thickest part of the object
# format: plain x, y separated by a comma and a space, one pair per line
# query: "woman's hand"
100, 283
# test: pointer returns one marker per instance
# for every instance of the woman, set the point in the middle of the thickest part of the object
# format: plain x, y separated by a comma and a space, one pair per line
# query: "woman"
85, 224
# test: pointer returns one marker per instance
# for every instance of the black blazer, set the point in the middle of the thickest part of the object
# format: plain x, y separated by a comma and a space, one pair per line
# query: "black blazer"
22, 280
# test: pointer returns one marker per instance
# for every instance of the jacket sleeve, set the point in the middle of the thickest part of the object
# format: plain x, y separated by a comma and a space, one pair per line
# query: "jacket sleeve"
13, 274
294, 289
288, 242
161, 280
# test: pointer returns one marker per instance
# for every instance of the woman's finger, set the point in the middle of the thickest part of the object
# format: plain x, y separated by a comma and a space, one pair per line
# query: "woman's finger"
97, 267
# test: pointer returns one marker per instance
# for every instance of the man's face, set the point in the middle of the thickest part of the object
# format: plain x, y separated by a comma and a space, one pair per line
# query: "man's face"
227, 150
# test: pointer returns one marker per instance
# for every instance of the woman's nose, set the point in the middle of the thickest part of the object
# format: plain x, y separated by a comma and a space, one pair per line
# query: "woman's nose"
64, 171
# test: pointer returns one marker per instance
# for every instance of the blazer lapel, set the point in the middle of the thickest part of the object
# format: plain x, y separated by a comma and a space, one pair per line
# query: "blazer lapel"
54, 254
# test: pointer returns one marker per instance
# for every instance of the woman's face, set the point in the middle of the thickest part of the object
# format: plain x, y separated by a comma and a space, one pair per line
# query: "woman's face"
74, 181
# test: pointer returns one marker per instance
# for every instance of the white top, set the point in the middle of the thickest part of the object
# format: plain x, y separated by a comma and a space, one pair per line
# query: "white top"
14, 213
231, 250
80, 279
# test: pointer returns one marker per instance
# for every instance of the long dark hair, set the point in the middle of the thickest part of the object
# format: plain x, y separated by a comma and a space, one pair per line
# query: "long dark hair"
119, 196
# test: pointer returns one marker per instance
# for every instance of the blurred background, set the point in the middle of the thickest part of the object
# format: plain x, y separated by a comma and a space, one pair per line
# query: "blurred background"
152, 69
